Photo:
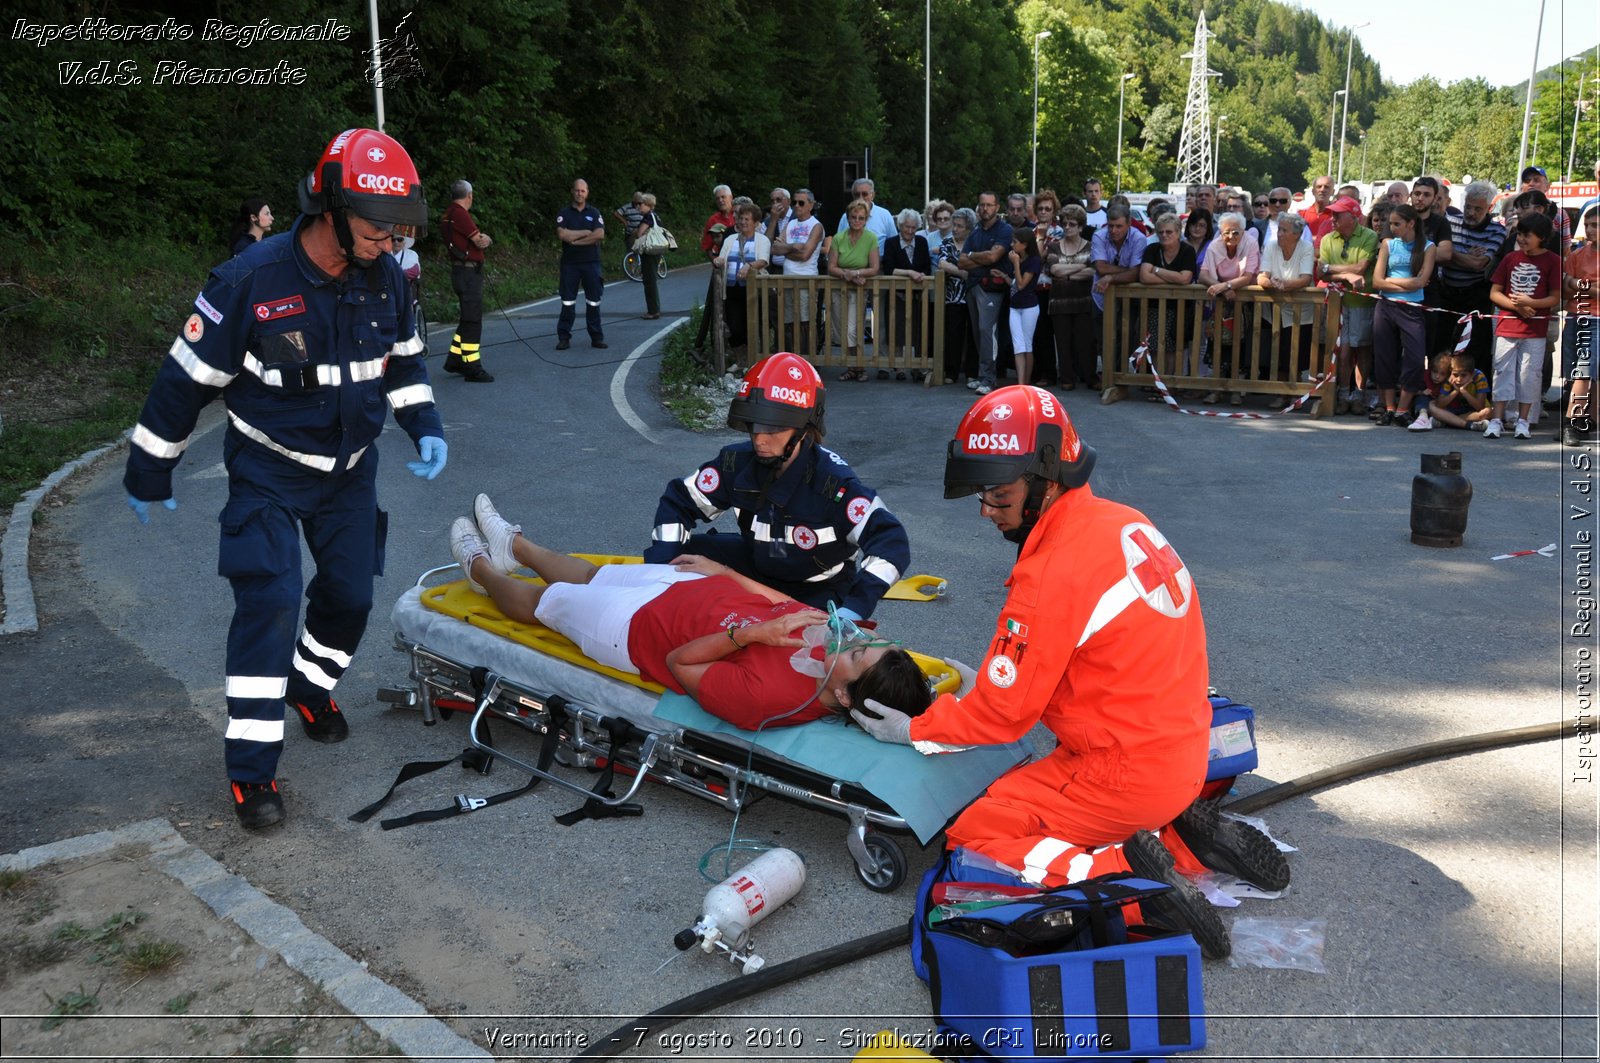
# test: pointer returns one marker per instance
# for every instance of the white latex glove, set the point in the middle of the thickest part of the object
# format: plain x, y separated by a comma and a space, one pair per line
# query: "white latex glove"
889, 725
969, 677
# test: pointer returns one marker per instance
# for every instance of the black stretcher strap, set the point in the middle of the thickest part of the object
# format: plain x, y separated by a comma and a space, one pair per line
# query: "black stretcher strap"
471, 757
619, 730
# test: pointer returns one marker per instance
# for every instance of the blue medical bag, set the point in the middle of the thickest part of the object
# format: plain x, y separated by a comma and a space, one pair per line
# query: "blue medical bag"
1233, 739
1055, 974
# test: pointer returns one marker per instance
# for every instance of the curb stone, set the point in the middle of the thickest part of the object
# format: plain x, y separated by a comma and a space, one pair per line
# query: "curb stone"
388, 1012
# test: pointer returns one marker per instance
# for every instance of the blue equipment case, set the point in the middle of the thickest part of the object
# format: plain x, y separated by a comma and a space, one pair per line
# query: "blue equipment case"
1233, 739
1059, 975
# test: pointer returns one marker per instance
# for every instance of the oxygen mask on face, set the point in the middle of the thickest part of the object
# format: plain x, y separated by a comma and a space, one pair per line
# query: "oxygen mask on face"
820, 641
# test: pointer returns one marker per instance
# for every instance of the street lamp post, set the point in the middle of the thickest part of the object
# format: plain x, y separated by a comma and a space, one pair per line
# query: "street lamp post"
1363, 158
1349, 58
1333, 112
1122, 99
1037, 37
1527, 107
927, 100
1216, 156
1577, 110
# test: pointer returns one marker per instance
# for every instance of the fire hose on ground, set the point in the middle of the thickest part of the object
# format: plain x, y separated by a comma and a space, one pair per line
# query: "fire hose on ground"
729, 992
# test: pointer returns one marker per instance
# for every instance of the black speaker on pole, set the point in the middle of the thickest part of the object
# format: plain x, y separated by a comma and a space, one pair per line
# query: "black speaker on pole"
830, 178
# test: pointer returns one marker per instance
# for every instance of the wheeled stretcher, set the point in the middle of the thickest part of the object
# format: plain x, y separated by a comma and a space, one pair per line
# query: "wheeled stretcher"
467, 657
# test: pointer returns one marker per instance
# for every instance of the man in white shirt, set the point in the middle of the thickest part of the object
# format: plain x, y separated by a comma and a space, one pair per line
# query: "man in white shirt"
1093, 208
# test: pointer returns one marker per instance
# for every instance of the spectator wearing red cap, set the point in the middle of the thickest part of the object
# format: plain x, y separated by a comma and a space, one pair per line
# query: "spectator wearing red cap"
1346, 257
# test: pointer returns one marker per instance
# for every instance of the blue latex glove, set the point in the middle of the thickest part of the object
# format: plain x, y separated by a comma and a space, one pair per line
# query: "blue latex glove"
433, 452
849, 614
141, 508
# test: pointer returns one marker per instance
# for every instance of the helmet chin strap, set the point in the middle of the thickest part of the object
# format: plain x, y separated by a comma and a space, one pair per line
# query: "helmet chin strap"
1032, 506
777, 463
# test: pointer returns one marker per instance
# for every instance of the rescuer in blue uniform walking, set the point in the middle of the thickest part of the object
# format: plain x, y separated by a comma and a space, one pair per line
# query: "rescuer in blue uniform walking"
308, 337
807, 526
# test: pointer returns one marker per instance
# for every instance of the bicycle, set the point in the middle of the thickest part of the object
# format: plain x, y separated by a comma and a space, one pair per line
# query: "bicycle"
633, 266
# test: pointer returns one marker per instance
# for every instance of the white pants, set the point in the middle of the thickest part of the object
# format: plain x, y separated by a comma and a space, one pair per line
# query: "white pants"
1518, 369
1022, 323
597, 615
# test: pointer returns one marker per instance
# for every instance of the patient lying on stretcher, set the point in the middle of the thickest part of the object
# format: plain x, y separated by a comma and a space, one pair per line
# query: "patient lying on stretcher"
694, 626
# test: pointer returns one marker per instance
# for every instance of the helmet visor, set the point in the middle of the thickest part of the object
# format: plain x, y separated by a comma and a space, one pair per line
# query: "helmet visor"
966, 474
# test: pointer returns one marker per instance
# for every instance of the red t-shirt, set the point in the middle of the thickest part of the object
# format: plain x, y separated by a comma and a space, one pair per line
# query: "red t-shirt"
717, 227
459, 228
749, 686
1536, 276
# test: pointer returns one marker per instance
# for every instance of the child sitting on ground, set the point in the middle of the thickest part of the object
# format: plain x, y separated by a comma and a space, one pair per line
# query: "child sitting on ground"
1461, 395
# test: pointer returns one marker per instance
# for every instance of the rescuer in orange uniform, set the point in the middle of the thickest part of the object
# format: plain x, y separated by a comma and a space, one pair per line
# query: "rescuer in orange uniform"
1101, 640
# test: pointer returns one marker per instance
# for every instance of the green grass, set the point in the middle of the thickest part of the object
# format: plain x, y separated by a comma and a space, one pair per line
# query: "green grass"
690, 389
151, 955
71, 1005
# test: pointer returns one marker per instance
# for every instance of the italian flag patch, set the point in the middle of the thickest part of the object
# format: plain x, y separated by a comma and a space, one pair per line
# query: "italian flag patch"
1017, 628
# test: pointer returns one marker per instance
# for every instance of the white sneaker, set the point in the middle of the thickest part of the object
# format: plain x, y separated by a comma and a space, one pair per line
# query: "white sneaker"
1422, 423
972, 385
1477, 426
983, 389
1493, 428
1522, 431
465, 546
497, 534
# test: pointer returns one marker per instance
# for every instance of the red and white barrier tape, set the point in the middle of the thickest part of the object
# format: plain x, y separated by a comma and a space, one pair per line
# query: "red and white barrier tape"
1142, 354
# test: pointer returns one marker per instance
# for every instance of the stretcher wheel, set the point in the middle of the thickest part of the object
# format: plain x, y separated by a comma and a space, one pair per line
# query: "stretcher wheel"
891, 863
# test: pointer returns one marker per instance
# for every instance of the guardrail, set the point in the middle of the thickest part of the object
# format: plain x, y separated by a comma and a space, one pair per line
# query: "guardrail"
1205, 344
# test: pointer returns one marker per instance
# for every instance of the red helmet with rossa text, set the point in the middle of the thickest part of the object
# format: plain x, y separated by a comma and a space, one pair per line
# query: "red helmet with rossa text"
781, 391
1014, 432
369, 174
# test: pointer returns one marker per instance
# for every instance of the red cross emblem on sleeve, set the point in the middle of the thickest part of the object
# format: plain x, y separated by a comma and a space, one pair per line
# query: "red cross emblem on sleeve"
1158, 573
708, 480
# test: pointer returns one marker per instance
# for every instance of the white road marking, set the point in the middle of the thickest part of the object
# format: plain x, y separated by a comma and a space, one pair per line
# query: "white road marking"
619, 381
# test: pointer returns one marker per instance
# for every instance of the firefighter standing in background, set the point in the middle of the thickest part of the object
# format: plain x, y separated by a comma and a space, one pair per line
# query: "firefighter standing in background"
306, 336
1101, 640
466, 242
807, 526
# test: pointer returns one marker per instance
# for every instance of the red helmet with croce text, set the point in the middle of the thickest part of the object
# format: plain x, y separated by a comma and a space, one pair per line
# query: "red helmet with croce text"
1014, 432
781, 391
367, 173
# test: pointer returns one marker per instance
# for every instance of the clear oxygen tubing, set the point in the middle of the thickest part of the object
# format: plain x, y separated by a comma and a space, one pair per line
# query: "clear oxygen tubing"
843, 634
729, 992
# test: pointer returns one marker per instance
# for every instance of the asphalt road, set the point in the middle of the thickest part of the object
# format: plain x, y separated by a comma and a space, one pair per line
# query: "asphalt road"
1458, 897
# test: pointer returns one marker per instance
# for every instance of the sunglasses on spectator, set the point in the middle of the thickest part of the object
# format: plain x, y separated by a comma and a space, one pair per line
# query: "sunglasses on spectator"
1275, 199
1259, 203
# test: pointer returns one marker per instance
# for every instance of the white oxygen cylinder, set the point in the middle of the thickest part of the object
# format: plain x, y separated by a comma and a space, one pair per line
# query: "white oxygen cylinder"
749, 895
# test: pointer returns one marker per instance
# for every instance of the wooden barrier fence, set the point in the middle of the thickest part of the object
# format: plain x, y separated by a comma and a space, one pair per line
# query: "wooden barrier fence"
816, 317
1206, 344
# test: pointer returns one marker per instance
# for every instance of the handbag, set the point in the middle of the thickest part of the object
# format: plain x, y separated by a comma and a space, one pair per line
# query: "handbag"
1053, 974
657, 241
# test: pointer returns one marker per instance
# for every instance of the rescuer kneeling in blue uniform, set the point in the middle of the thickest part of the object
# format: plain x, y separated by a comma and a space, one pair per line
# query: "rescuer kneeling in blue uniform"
305, 336
807, 526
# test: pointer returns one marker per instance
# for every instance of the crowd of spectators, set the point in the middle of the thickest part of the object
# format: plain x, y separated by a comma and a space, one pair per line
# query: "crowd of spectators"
1024, 290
